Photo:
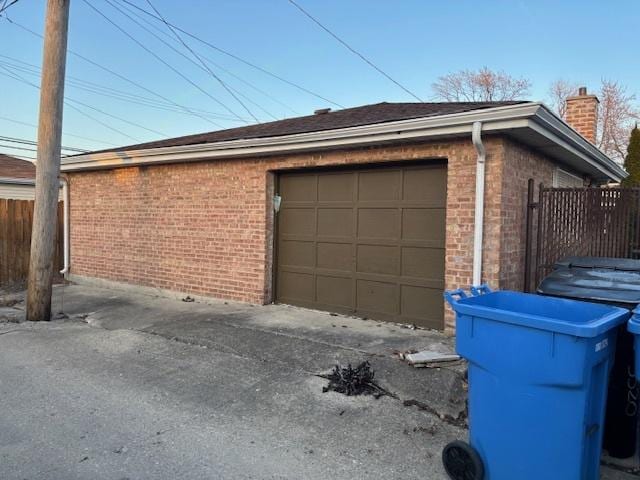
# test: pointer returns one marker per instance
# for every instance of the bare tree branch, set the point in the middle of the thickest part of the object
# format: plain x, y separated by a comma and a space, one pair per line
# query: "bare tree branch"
616, 117
559, 91
484, 85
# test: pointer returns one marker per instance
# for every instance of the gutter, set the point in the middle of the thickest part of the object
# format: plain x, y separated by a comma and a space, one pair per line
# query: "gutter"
532, 116
17, 181
457, 124
476, 138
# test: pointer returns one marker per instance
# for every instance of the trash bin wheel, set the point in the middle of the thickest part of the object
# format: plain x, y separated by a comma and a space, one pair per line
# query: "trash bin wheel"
462, 462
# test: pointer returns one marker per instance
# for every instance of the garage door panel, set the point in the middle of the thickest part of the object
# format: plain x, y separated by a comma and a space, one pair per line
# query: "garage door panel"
422, 262
364, 241
335, 222
422, 304
379, 185
297, 253
425, 185
378, 223
334, 291
299, 188
424, 224
297, 221
335, 256
381, 259
336, 187
377, 297
296, 286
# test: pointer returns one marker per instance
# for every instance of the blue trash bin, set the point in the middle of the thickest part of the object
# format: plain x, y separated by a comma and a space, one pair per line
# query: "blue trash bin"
634, 327
538, 374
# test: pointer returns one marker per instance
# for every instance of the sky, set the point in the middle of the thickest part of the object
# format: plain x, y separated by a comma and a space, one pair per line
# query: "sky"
414, 41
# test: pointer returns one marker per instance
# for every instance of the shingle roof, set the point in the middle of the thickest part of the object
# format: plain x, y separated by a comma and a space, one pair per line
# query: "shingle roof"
349, 117
12, 167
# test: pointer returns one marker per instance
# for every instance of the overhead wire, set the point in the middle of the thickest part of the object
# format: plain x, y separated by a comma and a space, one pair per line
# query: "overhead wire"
5, 6
33, 125
160, 59
211, 72
18, 148
21, 79
234, 56
353, 50
191, 60
153, 25
110, 92
116, 74
24, 141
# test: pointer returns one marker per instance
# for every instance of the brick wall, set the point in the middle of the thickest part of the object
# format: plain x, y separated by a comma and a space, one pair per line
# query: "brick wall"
520, 164
205, 228
582, 114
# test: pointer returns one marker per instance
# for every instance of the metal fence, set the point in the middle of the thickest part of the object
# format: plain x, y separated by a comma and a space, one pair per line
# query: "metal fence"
602, 222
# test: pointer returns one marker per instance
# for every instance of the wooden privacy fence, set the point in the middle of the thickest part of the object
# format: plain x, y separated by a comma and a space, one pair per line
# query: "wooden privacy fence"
16, 218
599, 222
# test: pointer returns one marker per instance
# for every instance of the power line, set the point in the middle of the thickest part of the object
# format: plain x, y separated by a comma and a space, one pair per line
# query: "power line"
353, 50
236, 57
5, 6
118, 75
33, 125
73, 107
211, 72
191, 60
18, 148
161, 60
107, 91
23, 141
197, 64
204, 57
67, 98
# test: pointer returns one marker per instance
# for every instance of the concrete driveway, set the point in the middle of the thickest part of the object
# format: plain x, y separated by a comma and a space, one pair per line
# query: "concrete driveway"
132, 386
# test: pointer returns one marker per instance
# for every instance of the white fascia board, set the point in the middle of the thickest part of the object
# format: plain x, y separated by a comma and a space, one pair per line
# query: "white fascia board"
558, 131
497, 118
17, 181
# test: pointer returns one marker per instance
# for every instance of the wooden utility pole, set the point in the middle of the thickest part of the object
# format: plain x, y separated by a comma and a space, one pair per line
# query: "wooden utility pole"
48, 164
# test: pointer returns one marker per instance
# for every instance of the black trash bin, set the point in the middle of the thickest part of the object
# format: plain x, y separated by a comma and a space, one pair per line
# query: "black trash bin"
614, 281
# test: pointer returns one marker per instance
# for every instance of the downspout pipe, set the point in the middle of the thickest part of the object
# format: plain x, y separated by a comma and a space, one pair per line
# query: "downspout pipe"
65, 225
476, 138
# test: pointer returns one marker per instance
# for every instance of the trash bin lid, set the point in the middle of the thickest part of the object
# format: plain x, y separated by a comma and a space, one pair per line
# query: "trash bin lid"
571, 317
602, 279
612, 263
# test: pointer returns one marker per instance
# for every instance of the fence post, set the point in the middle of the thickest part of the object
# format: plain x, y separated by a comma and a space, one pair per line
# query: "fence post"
531, 206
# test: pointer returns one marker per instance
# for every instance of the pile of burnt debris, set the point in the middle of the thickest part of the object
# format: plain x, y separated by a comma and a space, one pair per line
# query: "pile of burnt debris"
354, 381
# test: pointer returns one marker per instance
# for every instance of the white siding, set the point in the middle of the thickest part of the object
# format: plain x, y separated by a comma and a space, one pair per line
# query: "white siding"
563, 179
17, 192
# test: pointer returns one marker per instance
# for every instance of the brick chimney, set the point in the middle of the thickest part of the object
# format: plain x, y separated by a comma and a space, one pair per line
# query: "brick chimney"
582, 114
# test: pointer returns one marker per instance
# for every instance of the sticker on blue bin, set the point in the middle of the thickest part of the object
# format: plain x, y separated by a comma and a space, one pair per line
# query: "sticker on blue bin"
602, 345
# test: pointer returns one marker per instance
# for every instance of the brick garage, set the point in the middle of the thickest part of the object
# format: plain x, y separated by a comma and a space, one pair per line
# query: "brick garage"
204, 226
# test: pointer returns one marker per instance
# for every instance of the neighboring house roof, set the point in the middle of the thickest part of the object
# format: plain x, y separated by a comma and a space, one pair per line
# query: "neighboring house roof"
530, 123
11, 167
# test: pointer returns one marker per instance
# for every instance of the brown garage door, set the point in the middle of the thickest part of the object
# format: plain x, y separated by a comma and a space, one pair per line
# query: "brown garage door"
368, 242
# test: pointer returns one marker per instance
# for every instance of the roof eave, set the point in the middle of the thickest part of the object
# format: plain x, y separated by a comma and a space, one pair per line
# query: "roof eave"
498, 120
